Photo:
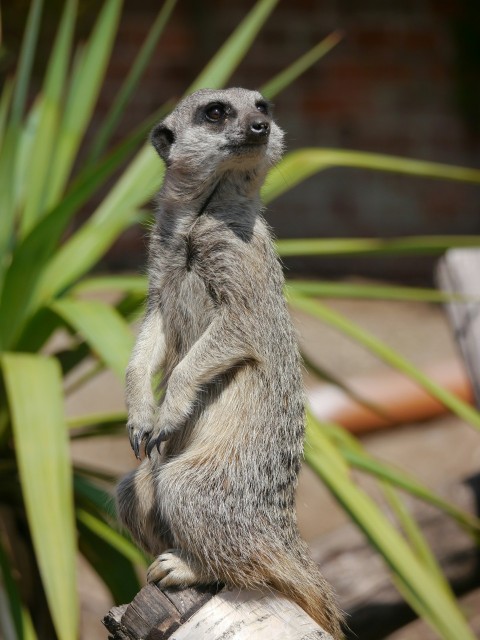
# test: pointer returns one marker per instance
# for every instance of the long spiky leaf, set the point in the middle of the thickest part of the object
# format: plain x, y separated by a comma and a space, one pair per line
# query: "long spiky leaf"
49, 120
385, 353
297, 166
34, 391
27, 54
371, 291
292, 72
224, 62
12, 133
82, 96
420, 588
138, 67
412, 245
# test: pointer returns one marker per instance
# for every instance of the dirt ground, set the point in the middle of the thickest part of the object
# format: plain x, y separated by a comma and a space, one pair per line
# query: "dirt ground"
436, 451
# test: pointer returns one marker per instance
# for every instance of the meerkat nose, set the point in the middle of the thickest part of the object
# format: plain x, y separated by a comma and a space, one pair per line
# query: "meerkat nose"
260, 127
258, 130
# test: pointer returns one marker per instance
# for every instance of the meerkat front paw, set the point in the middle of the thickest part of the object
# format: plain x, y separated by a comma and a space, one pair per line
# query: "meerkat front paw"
138, 432
151, 432
161, 431
171, 569
169, 418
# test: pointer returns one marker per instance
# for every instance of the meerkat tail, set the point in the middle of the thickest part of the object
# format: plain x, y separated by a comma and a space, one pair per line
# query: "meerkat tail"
299, 579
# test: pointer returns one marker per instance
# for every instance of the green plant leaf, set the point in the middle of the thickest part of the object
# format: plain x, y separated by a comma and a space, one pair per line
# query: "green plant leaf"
329, 377
15, 623
385, 353
100, 284
11, 135
115, 570
27, 54
97, 419
417, 245
292, 72
82, 96
5, 102
356, 456
100, 430
98, 425
91, 497
102, 327
227, 58
299, 165
24, 154
113, 538
38, 330
8, 155
34, 391
104, 134
19, 300
416, 538
419, 586
354, 290
118, 211
49, 119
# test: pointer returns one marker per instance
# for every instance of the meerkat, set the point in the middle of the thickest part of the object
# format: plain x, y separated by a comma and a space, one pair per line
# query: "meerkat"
214, 496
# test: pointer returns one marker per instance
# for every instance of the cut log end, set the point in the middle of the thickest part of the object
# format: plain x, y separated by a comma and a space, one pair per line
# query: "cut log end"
155, 614
208, 614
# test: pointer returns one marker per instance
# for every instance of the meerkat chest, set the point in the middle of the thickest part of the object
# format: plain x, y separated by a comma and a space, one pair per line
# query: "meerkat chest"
187, 306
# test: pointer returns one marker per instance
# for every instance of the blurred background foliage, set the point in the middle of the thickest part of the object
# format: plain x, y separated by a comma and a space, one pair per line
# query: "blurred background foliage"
63, 205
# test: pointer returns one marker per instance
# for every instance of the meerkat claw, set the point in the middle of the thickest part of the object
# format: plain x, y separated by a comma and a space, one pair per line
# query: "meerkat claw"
162, 436
136, 445
150, 445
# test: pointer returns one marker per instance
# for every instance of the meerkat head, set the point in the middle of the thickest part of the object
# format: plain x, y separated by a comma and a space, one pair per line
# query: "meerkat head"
213, 131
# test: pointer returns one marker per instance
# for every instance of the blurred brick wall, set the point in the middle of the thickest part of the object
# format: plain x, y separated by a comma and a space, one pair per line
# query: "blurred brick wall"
403, 81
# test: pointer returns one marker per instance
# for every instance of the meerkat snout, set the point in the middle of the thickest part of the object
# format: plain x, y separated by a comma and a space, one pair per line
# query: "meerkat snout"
258, 130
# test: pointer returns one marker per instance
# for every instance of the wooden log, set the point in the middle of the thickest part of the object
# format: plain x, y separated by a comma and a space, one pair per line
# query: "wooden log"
458, 272
206, 614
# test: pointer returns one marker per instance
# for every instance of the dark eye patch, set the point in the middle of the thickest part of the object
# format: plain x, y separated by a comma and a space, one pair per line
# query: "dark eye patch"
215, 112
263, 106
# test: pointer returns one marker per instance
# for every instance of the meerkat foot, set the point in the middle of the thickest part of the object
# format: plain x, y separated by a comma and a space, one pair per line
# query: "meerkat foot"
172, 569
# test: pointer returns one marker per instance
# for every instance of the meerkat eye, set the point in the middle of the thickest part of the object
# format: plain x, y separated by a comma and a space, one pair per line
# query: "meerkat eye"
215, 112
262, 107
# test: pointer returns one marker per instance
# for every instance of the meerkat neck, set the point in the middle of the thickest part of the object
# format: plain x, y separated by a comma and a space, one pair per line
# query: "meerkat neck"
221, 194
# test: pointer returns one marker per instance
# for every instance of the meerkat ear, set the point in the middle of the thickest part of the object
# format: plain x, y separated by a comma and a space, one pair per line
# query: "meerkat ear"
162, 138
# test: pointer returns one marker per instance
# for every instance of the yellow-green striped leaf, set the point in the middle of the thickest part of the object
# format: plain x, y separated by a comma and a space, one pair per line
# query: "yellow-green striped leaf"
300, 165
15, 622
419, 586
293, 71
34, 391
385, 353
137, 68
102, 327
49, 119
416, 245
224, 62
370, 291
85, 85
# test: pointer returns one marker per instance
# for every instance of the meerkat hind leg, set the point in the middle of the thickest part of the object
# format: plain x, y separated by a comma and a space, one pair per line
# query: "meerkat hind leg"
174, 568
